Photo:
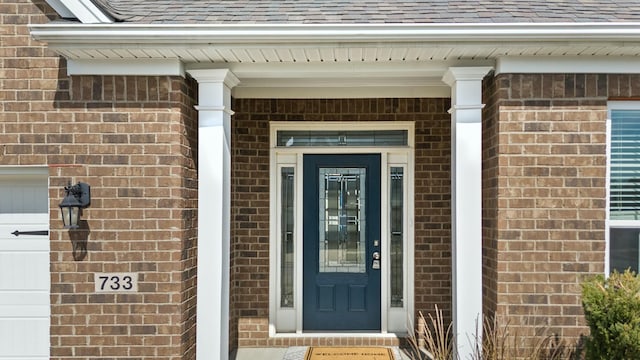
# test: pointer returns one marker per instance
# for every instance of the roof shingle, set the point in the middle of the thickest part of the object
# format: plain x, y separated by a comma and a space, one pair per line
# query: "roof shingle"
369, 11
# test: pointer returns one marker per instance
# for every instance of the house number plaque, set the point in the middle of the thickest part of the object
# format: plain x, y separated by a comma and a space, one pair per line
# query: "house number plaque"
116, 282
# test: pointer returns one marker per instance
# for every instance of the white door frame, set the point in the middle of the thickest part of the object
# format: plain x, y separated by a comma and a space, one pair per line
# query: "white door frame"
288, 321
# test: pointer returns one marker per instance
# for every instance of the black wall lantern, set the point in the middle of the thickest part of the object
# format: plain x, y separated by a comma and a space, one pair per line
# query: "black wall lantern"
78, 197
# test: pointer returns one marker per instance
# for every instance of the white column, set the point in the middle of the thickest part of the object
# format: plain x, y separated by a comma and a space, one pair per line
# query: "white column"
214, 214
466, 202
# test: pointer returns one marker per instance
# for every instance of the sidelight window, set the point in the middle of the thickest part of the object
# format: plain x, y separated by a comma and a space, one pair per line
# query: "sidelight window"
286, 234
396, 226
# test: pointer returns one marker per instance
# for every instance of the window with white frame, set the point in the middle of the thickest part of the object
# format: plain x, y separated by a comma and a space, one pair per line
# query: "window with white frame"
624, 186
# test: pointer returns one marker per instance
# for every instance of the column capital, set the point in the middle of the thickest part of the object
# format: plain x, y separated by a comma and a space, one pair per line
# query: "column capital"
214, 93
476, 73
224, 76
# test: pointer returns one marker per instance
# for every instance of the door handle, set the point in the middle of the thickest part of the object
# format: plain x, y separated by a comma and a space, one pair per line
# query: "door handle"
376, 261
36, 232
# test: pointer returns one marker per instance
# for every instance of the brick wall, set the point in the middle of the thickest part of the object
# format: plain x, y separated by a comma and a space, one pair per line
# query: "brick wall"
131, 139
250, 203
490, 145
142, 217
433, 206
545, 161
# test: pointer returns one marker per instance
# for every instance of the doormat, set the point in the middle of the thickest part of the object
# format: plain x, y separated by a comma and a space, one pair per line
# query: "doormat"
349, 353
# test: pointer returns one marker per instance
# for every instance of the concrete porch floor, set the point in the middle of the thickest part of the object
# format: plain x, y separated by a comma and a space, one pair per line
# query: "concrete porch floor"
258, 353
296, 353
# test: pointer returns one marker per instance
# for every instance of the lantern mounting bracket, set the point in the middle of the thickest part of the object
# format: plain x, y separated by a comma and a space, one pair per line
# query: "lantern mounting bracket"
82, 192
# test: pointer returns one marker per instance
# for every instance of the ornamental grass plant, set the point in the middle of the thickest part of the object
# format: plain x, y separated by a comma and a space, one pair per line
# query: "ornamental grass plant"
434, 340
612, 310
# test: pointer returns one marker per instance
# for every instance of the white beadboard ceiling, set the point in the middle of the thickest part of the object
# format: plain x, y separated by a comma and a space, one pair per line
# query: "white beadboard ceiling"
221, 55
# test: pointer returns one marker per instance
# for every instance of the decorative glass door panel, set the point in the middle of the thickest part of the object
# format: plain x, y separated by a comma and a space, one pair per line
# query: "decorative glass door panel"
342, 219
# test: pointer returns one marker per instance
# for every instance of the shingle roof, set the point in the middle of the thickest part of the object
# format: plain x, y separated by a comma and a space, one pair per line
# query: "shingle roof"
370, 11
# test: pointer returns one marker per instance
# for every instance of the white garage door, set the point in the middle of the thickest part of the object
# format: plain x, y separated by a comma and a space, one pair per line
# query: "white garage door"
24, 265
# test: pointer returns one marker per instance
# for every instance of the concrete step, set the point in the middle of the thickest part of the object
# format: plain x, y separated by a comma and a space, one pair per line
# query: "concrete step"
290, 353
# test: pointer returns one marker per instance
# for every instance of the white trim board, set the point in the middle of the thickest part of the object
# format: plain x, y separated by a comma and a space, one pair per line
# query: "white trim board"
240, 33
570, 64
61, 9
84, 10
150, 67
24, 170
340, 92
371, 74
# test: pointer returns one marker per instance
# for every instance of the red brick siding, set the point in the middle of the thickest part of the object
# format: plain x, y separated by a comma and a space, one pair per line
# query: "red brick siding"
250, 203
135, 153
144, 206
548, 217
131, 139
490, 144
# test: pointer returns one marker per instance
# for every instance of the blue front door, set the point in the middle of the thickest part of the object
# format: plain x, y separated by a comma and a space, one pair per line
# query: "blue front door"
341, 221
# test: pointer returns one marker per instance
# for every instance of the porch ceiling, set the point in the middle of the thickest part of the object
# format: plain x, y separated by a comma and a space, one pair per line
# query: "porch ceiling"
371, 53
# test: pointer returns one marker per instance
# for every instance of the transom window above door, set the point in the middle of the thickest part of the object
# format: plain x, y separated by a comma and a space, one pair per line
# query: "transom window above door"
303, 138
